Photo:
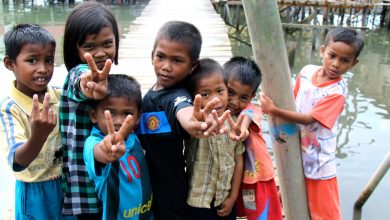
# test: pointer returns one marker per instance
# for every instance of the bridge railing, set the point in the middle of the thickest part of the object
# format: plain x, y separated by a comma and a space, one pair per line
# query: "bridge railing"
370, 187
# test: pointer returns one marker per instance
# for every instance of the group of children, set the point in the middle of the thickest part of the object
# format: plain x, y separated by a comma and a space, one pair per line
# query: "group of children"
191, 148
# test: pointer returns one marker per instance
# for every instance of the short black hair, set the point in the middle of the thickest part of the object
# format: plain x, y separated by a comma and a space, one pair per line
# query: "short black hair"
181, 32
86, 19
205, 68
23, 34
244, 70
345, 35
124, 86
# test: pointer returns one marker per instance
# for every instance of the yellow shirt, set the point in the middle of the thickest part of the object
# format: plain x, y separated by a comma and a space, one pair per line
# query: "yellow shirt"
15, 130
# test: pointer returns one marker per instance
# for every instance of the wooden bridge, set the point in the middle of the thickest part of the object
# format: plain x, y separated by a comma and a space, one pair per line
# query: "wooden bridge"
136, 46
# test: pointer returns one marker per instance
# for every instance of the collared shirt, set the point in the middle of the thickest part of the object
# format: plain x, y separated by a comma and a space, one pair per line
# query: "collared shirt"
210, 165
258, 164
324, 102
15, 131
79, 190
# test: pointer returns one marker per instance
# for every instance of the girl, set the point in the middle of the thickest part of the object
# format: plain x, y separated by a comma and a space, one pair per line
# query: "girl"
91, 36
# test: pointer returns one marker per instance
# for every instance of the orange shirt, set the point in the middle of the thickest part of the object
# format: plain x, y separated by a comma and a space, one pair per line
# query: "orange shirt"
258, 164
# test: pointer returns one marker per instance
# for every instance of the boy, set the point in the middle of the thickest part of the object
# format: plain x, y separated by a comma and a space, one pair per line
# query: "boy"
168, 117
258, 193
320, 93
29, 135
113, 157
214, 164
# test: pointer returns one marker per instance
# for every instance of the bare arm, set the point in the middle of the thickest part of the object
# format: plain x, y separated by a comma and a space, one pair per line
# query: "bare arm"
42, 123
268, 107
228, 204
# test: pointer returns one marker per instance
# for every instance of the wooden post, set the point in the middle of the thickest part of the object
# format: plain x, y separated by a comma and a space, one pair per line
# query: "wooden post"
269, 49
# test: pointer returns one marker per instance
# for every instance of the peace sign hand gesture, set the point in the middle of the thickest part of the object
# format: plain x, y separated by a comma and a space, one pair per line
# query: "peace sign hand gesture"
42, 122
113, 144
94, 82
206, 120
238, 131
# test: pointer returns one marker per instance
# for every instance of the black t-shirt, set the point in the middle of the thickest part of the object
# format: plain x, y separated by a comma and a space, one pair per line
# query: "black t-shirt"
162, 136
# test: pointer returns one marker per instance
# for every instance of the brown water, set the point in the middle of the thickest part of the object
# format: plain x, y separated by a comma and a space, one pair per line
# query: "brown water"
364, 126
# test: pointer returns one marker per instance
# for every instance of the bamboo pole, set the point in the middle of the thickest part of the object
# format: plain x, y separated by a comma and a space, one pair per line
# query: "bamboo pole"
370, 187
269, 49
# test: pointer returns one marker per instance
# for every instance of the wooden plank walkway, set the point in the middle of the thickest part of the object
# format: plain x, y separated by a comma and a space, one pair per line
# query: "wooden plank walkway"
136, 46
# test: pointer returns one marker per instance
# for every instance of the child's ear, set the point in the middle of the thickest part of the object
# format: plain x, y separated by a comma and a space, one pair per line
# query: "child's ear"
253, 95
8, 63
354, 62
152, 55
92, 116
322, 50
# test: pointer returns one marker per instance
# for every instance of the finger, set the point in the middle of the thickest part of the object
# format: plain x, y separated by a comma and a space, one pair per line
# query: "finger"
85, 78
127, 126
107, 146
92, 65
113, 150
222, 128
106, 70
35, 107
210, 106
211, 130
197, 105
46, 105
240, 119
50, 117
120, 148
231, 123
224, 116
243, 135
109, 123
91, 85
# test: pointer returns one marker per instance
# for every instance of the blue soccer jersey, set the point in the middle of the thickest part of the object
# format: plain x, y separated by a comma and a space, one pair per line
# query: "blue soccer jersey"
124, 185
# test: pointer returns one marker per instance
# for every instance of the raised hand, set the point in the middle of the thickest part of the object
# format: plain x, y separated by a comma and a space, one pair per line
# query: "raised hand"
94, 82
238, 132
206, 120
113, 144
42, 122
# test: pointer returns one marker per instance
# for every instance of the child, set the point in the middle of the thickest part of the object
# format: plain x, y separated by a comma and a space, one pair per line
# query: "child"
114, 158
258, 193
29, 133
91, 35
320, 94
168, 117
214, 164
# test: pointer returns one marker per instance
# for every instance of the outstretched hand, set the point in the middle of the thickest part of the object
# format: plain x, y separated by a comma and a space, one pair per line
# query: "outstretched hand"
113, 145
206, 120
94, 82
238, 132
42, 122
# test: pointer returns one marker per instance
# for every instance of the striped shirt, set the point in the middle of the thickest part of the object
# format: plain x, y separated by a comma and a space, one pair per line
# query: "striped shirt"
15, 131
79, 190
